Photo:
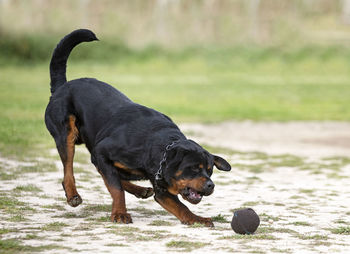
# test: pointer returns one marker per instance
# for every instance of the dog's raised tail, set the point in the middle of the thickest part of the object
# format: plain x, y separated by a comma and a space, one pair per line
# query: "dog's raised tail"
61, 53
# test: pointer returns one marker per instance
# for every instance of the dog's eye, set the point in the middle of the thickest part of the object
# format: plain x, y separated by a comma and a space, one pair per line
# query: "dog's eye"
195, 169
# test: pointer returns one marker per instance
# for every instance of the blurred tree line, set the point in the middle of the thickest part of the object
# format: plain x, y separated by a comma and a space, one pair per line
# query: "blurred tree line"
181, 23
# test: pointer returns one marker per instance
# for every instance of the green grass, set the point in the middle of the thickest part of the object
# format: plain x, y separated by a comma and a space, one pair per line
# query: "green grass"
16, 172
266, 230
301, 223
10, 204
54, 226
27, 188
307, 191
149, 212
103, 219
17, 218
220, 218
343, 230
13, 246
186, 246
254, 236
204, 86
312, 237
268, 217
159, 223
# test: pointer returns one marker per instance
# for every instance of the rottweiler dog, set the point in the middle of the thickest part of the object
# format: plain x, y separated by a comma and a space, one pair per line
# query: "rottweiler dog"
127, 142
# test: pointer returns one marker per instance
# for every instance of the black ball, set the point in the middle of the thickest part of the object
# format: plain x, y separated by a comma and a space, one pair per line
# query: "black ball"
245, 221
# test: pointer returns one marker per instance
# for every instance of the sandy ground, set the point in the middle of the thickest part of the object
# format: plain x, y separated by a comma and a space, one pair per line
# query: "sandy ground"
316, 139
294, 175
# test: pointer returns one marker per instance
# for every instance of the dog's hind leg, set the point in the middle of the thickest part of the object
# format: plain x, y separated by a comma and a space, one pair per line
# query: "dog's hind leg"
138, 191
66, 149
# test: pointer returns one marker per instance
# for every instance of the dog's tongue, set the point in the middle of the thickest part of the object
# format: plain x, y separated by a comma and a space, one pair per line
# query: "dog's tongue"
195, 195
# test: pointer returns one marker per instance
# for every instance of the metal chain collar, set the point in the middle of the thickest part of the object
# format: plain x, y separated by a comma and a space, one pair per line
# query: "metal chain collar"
159, 174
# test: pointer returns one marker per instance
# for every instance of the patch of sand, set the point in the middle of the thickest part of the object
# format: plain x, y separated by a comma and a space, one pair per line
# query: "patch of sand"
319, 139
298, 207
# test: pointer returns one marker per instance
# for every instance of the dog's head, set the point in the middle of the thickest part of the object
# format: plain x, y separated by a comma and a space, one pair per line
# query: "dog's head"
188, 171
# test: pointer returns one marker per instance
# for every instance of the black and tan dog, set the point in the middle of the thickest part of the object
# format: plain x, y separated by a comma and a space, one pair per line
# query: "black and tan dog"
127, 142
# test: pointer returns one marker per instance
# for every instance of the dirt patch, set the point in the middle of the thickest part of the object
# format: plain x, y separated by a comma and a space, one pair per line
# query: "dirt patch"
299, 138
302, 201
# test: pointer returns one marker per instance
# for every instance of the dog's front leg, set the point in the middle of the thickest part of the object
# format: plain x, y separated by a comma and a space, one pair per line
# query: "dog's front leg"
172, 204
112, 180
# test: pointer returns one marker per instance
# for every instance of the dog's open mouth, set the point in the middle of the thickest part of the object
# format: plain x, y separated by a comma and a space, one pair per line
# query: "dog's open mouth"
191, 195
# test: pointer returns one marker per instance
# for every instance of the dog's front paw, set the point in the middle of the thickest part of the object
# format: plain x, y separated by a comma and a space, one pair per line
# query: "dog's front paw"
73, 198
121, 218
146, 193
200, 220
75, 201
207, 222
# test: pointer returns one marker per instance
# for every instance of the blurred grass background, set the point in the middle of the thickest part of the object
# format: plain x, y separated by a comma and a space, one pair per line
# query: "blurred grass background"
203, 61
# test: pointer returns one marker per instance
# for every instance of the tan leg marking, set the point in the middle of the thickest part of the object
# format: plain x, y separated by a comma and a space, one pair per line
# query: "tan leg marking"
174, 206
73, 198
138, 191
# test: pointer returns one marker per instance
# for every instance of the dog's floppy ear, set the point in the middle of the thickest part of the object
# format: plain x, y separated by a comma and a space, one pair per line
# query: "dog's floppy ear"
221, 164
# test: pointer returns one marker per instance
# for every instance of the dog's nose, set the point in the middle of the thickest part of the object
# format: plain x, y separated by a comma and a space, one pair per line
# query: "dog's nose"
209, 187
